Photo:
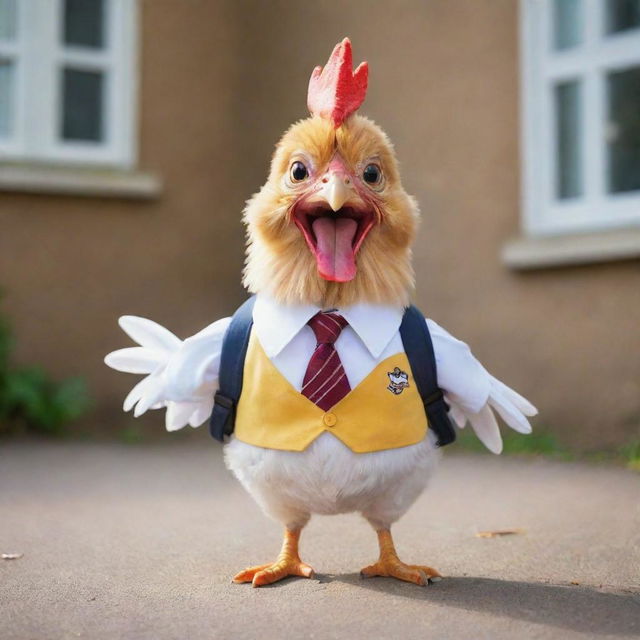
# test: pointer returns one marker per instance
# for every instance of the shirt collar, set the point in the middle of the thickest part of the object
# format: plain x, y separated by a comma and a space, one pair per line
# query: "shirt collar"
277, 324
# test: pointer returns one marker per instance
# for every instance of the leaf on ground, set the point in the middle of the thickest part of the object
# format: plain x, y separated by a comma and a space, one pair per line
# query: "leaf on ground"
11, 556
498, 533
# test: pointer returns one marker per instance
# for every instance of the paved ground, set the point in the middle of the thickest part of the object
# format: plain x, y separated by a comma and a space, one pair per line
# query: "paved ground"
140, 542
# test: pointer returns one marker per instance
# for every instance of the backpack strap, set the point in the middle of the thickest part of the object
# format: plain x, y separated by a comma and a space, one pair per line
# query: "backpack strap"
417, 343
234, 350
418, 346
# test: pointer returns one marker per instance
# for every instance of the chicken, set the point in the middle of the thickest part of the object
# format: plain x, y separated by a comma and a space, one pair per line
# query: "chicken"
329, 259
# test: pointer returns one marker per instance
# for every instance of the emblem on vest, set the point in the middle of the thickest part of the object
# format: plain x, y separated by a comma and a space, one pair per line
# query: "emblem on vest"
398, 381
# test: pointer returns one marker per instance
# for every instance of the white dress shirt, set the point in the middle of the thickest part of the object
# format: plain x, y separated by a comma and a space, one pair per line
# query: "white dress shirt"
371, 336
183, 375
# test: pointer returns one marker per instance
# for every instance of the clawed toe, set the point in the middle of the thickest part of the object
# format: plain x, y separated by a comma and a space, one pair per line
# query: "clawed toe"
269, 573
287, 564
247, 574
389, 565
432, 575
280, 570
394, 568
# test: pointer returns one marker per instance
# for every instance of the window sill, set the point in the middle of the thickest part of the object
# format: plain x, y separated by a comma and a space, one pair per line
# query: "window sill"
101, 183
567, 250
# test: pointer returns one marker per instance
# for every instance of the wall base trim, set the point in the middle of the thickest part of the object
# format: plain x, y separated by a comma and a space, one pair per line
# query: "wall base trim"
567, 250
79, 181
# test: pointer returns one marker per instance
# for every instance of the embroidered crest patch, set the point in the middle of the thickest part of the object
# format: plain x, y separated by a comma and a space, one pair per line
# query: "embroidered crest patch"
398, 381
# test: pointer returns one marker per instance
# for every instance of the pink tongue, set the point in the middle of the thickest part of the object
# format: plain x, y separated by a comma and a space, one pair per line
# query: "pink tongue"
334, 251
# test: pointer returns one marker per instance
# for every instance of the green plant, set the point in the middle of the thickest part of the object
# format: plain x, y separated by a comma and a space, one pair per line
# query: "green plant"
631, 455
29, 396
131, 435
536, 443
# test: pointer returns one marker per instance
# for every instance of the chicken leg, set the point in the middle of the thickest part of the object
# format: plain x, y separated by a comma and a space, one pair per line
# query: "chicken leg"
288, 563
390, 565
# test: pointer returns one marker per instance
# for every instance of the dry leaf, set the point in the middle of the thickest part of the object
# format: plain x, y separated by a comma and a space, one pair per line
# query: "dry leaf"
498, 533
12, 556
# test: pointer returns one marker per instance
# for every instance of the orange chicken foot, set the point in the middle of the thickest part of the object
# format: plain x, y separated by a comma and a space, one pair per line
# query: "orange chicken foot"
288, 563
390, 565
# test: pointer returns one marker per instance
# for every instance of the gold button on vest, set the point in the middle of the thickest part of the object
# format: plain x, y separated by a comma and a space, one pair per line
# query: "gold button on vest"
329, 419
377, 414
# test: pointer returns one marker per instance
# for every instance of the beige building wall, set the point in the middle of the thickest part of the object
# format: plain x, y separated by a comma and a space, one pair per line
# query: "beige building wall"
220, 81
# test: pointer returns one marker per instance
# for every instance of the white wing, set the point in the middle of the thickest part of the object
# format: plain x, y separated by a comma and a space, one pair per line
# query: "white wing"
181, 376
474, 394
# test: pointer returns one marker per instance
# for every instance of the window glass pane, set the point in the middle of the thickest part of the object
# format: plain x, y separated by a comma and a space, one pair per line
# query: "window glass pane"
624, 130
622, 15
7, 19
6, 97
568, 110
82, 105
84, 23
567, 23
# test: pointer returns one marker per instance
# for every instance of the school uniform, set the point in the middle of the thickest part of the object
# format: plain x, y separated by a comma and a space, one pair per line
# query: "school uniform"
372, 452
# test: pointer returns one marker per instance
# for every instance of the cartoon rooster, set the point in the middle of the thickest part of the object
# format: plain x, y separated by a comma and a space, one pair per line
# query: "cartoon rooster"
331, 417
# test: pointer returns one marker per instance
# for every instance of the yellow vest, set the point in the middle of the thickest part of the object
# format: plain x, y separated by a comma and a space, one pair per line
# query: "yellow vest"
376, 415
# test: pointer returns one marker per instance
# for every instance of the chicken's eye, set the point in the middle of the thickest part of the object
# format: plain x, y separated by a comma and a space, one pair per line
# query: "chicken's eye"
298, 171
372, 174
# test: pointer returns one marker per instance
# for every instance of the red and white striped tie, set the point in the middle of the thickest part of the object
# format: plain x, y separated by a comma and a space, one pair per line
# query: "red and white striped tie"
325, 382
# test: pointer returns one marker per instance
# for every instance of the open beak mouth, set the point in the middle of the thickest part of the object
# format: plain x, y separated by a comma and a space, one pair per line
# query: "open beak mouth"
334, 237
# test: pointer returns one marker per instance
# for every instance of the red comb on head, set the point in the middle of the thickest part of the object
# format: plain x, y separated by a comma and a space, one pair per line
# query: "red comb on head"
337, 91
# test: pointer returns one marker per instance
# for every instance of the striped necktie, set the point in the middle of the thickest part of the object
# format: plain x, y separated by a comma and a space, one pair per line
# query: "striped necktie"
325, 382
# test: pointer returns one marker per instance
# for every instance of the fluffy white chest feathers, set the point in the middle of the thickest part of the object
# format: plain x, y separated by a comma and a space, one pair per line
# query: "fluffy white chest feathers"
328, 478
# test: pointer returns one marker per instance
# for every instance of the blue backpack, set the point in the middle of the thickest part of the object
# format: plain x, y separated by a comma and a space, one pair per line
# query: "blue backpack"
417, 345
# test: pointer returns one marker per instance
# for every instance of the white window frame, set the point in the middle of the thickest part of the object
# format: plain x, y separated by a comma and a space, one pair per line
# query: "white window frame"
541, 69
40, 55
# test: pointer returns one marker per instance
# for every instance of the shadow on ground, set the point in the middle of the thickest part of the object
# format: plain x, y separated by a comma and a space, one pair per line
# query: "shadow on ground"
582, 609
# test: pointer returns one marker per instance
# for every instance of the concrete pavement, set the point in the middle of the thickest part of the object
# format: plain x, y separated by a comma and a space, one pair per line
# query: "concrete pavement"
141, 541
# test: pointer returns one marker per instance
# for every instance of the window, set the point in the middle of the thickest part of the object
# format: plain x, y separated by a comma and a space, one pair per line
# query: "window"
581, 114
67, 81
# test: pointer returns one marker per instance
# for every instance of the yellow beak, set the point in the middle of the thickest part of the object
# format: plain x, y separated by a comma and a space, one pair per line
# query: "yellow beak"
336, 191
